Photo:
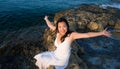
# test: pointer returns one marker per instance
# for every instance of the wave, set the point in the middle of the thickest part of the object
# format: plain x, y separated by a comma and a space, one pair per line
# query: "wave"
114, 5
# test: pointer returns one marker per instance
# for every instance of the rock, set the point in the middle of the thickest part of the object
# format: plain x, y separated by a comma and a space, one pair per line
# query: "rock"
93, 26
90, 18
117, 25
51, 67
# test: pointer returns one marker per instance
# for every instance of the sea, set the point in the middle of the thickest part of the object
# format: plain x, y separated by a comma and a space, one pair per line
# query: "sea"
20, 14
16, 14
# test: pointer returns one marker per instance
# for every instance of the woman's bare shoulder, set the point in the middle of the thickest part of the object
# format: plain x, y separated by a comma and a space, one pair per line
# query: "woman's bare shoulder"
71, 35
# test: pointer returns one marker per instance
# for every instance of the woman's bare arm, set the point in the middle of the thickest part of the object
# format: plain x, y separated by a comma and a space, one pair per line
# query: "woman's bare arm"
50, 24
76, 35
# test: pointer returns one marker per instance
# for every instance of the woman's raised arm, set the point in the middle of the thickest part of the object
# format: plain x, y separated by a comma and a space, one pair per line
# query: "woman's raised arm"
50, 24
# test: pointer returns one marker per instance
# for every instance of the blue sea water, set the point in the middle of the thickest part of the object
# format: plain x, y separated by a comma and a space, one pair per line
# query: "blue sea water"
16, 14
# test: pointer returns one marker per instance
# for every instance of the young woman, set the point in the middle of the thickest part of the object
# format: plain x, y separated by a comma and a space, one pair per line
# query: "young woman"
64, 37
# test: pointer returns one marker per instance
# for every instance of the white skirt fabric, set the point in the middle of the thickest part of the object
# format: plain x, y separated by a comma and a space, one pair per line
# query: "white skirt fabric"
45, 59
58, 58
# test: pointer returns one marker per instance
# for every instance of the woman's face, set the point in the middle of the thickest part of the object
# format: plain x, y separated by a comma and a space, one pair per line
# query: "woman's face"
62, 28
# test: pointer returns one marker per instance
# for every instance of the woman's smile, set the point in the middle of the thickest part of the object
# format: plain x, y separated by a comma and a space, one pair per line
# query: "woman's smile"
62, 28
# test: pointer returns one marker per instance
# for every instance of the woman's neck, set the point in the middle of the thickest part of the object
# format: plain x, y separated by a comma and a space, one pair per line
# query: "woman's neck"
60, 35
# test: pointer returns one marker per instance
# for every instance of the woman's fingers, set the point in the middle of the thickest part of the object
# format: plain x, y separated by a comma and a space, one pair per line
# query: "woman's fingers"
46, 17
106, 33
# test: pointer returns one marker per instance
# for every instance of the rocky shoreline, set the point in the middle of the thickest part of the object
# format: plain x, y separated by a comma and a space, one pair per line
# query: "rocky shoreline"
18, 47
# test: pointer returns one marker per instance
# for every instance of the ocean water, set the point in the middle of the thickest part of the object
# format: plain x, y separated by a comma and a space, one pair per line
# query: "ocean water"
17, 14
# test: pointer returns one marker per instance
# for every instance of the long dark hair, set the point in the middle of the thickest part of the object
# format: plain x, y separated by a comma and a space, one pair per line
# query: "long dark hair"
62, 19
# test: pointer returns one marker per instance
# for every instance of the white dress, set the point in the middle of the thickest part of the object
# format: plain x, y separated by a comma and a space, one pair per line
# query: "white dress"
58, 58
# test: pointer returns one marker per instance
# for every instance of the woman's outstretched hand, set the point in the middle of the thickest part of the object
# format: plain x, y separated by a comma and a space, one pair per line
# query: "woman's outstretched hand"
46, 17
106, 33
